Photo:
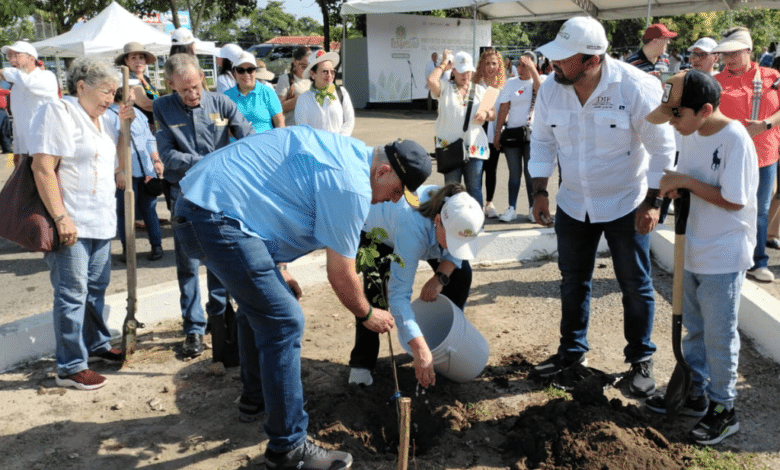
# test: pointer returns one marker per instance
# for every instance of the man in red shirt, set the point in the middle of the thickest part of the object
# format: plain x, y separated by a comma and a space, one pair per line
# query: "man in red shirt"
741, 80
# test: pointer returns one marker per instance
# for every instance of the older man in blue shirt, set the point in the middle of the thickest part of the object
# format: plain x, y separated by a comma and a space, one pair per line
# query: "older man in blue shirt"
270, 199
190, 124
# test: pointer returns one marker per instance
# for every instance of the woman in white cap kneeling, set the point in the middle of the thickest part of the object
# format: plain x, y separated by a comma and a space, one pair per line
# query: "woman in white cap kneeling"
325, 106
443, 232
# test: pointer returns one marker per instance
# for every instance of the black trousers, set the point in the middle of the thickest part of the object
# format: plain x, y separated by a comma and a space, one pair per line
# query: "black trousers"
366, 350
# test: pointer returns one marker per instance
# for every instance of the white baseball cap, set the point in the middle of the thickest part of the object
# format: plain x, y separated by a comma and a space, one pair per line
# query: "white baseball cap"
462, 218
578, 35
21, 46
705, 44
230, 52
182, 37
463, 62
244, 58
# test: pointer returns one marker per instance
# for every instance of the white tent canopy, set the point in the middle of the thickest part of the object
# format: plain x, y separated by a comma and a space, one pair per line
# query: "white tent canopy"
546, 10
106, 35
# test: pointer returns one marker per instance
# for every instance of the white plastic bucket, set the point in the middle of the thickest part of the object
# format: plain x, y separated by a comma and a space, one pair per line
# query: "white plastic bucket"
460, 352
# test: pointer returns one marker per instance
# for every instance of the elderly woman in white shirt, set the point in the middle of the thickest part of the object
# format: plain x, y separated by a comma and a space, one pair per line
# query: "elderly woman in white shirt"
324, 106
453, 96
73, 134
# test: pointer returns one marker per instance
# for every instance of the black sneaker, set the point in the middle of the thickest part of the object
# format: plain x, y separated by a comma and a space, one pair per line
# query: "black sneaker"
641, 381
693, 406
717, 425
250, 411
555, 364
193, 345
112, 356
308, 456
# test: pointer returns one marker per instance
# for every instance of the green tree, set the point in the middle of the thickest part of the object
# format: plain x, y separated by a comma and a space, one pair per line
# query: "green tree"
11, 11
21, 29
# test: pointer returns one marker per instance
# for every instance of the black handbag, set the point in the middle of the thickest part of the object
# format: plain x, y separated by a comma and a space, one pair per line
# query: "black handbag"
452, 156
153, 187
515, 137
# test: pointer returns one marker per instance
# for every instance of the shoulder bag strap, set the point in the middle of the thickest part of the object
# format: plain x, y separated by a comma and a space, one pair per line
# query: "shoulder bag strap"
468, 109
757, 92
531, 109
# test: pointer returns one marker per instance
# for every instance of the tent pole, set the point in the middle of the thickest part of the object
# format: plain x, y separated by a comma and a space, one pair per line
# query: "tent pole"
474, 33
342, 49
649, 7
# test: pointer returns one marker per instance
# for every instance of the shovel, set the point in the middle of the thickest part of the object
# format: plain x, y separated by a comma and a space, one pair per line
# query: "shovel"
130, 326
680, 383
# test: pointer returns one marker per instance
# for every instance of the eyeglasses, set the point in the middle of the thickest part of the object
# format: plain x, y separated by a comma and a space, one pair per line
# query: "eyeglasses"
732, 53
700, 55
242, 70
328, 72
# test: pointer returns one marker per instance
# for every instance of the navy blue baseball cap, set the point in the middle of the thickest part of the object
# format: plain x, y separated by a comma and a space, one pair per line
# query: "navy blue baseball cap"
410, 162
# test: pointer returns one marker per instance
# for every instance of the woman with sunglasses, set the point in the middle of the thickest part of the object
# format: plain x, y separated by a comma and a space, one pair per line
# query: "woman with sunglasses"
257, 102
325, 106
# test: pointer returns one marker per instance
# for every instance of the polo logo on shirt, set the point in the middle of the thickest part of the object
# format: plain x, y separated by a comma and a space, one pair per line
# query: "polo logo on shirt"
716, 159
520, 92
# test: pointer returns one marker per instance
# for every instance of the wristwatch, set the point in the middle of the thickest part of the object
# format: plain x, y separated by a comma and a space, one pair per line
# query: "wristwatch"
768, 124
654, 202
443, 278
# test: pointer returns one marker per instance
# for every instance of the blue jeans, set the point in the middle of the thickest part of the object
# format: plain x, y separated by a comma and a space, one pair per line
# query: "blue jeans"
711, 346
144, 205
80, 276
577, 249
189, 287
472, 178
766, 182
517, 161
266, 306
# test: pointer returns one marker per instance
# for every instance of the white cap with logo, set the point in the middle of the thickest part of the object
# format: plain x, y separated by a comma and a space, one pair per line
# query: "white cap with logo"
462, 218
182, 37
21, 46
578, 35
705, 44
462, 62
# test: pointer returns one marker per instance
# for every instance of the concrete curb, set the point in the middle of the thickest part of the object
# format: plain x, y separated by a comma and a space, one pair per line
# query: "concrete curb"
31, 338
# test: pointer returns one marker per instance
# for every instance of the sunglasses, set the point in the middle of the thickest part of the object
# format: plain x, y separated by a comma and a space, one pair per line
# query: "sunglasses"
328, 72
242, 70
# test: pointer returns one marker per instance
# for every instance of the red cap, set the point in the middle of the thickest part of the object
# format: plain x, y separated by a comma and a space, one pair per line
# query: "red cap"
658, 30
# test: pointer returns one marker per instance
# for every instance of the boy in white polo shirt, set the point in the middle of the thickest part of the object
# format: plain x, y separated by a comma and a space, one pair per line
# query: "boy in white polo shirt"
719, 168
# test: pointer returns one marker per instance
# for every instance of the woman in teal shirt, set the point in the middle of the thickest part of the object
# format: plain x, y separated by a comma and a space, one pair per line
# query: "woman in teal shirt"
257, 102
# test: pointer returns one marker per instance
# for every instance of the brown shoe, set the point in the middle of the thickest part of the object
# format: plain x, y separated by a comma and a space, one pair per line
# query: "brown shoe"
84, 380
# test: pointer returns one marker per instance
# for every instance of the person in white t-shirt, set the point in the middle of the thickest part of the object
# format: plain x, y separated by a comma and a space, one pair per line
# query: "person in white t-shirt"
293, 84
428, 69
719, 168
515, 110
226, 59
31, 88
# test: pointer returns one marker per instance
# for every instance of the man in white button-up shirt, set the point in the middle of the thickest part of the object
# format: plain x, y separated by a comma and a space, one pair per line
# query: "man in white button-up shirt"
591, 119
31, 88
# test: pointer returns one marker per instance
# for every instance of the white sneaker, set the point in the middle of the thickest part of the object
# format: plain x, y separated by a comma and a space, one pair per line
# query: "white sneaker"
508, 215
761, 274
360, 376
531, 215
490, 211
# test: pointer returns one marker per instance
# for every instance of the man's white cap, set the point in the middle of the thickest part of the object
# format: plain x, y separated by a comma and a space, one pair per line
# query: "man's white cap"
462, 218
182, 37
230, 52
21, 46
463, 62
578, 35
735, 39
705, 44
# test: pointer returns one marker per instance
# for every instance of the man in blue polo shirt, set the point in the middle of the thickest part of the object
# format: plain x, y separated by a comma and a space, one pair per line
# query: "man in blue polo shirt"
269, 199
191, 123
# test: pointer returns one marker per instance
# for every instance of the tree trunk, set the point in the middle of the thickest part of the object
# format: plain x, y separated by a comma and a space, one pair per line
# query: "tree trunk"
175, 14
325, 25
